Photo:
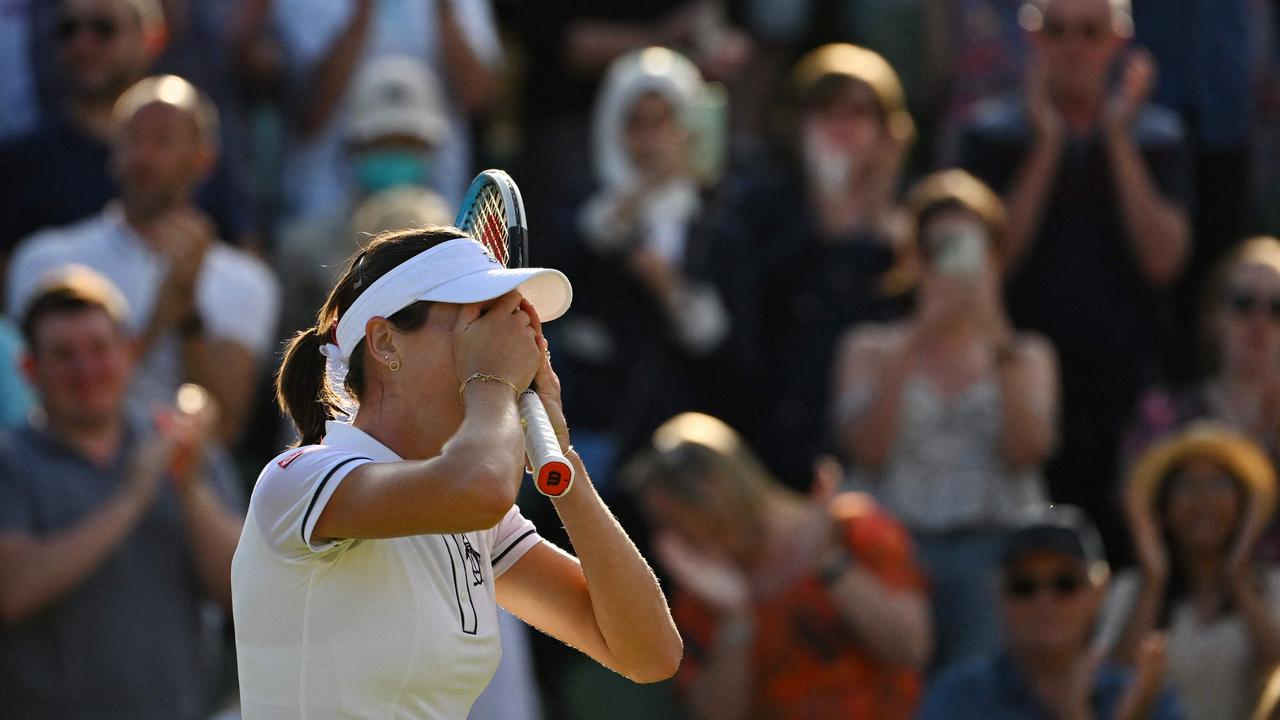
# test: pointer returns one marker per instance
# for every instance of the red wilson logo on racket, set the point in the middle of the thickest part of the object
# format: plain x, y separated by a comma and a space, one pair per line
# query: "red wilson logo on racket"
554, 479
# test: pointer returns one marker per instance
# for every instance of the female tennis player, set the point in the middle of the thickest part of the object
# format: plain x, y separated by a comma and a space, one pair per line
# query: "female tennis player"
374, 555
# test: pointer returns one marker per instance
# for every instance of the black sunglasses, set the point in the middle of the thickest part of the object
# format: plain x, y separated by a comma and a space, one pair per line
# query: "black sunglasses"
103, 27
1243, 302
1059, 29
1021, 587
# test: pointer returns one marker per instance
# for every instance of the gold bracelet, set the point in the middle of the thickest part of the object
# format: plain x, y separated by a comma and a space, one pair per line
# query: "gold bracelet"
486, 377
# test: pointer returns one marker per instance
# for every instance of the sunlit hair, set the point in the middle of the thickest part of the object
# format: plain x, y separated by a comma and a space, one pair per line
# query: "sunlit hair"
692, 448
814, 75
69, 289
150, 13
1031, 16
957, 190
175, 92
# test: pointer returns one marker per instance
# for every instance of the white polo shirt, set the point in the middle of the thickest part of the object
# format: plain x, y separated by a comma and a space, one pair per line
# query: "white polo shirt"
393, 628
237, 295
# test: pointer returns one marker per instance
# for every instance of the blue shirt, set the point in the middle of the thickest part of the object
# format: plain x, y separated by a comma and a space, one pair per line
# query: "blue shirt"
1204, 49
994, 687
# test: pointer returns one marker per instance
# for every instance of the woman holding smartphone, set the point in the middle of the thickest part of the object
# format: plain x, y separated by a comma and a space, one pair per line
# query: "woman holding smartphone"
951, 412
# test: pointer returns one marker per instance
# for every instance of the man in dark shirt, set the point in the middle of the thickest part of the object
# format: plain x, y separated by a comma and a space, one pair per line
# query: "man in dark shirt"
1094, 181
59, 173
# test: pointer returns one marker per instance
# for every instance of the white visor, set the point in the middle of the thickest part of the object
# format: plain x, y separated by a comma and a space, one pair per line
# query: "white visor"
456, 271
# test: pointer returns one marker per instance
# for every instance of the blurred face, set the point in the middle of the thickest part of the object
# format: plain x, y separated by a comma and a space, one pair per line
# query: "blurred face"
158, 157
101, 47
1203, 508
1078, 44
1249, 320
80, 366
392, 162
955, 243
1048, 603
656, 141
849, 122
713, 524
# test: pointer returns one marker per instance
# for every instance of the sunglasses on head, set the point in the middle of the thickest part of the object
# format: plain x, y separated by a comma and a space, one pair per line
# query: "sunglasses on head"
103, 27
1059, 29
1244, 302
1025, 587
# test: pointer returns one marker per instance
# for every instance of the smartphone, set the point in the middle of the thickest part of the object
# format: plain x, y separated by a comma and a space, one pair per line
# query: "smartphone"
959, 251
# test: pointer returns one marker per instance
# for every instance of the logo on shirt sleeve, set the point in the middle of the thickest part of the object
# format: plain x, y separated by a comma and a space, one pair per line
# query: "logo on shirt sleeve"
285, 461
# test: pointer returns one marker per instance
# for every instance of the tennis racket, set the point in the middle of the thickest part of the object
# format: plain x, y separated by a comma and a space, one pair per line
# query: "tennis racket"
493, 214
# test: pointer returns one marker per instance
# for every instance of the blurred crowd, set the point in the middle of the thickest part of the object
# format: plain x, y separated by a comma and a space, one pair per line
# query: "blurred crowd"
929, 348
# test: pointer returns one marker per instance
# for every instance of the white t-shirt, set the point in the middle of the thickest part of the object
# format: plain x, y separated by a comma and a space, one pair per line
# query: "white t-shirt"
1210, 664
393, 628
236, 295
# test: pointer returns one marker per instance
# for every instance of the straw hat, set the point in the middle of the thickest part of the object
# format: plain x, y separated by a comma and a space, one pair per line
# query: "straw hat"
863, 65
1215, 443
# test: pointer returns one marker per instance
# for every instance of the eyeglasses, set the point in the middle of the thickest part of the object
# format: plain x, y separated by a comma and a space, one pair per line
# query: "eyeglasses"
1059, 29
1244, 303
102, 27
1025, 587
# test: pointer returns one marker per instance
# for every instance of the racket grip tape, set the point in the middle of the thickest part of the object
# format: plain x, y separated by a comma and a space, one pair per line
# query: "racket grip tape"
552, 472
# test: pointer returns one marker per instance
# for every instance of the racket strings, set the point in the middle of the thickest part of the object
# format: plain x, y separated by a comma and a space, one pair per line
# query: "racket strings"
490, 223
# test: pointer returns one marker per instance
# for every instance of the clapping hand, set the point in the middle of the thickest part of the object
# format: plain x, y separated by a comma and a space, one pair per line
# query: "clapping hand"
707, 575
1137, 80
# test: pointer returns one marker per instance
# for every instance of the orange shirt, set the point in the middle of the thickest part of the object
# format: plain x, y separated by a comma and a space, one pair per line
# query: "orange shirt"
807, 665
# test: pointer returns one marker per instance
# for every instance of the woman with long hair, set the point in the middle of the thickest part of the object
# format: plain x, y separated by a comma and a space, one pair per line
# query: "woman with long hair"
1197, 502
375, 553
794, 606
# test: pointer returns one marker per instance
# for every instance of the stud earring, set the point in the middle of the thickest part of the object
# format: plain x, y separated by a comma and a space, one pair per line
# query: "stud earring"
394, 365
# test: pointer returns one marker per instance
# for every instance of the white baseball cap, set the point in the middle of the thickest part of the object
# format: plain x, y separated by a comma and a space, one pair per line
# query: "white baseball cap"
396, 95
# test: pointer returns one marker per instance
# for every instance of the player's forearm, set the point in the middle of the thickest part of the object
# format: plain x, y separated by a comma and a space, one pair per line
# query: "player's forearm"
627, 603
1027, 198
1157, 230
213, 533
37, 572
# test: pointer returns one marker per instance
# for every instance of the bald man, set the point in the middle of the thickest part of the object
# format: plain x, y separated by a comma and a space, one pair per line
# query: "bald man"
199, 310
1094, 179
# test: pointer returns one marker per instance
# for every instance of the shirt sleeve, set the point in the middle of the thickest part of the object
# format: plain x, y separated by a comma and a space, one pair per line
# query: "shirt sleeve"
510, 539
877, 542
475, 17
29, 264
240, 301
17, 507
291, 494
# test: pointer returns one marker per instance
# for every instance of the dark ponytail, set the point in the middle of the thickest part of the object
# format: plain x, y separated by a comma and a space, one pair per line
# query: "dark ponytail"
302, 388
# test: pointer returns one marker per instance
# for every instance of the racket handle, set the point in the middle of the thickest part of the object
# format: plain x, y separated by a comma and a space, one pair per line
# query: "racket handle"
552, 473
